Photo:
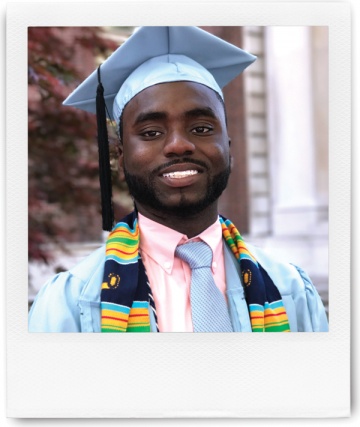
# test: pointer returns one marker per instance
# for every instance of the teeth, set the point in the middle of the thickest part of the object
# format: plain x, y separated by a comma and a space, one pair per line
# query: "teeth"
180, 174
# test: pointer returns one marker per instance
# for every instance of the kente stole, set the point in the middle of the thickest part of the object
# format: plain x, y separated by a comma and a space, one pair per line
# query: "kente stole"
126, 294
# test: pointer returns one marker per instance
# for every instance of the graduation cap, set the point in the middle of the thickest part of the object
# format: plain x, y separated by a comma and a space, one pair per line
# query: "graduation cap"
152, 55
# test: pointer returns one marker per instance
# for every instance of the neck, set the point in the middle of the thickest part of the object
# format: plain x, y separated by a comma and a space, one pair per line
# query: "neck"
190, 225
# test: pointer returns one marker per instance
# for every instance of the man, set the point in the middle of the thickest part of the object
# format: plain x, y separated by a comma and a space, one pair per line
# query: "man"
174, 264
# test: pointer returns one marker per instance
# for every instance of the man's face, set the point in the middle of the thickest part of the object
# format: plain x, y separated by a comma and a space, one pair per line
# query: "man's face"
175, 148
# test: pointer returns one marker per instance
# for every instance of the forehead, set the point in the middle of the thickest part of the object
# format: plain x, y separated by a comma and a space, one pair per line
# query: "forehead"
173, 98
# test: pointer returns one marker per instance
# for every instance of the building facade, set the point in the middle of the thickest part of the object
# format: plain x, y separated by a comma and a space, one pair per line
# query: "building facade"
286, 96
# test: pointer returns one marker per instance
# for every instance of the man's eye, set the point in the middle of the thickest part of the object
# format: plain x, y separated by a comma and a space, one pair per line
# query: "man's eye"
202, 129
151, 134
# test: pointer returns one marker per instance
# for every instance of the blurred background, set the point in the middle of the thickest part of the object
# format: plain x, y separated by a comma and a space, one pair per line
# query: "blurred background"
278, 123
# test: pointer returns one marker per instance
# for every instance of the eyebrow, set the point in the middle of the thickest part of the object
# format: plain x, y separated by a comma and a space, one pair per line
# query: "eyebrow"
200, 112
150, 115
161, 115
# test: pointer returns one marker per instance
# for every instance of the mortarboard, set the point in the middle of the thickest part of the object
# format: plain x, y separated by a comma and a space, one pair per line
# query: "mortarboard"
152, 55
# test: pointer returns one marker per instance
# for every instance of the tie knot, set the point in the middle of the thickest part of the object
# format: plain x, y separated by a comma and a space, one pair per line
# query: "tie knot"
196, 254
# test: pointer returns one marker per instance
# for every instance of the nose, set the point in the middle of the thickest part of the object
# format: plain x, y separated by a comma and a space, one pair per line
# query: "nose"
177, 144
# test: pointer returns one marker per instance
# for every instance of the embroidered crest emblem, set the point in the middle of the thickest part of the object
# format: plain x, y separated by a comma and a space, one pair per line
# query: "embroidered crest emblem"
247, 277
114, 280
112, 283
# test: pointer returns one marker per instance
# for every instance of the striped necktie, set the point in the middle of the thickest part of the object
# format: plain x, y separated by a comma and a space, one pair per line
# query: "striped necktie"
208, 306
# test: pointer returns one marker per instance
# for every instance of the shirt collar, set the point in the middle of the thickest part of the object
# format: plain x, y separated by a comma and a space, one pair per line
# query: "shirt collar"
159, 242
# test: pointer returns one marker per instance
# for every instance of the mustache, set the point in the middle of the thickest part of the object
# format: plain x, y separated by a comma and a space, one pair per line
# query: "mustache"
178, 161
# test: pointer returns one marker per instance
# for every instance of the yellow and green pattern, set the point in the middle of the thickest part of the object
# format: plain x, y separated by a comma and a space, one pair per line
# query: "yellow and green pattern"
139, 320
114, 317
122, 259
125, 301
123, 243
265, 316
271, 317
235, 241
119, 318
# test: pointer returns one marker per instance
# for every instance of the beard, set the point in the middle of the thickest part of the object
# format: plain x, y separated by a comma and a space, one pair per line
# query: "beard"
143, 190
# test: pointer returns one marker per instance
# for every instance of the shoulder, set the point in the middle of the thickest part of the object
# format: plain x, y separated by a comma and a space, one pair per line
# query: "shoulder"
78, 276
84, 279
303, 304
87, 267
57, 306
285, 275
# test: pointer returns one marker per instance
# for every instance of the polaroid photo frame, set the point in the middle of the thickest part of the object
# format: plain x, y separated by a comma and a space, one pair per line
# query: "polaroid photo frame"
179, 375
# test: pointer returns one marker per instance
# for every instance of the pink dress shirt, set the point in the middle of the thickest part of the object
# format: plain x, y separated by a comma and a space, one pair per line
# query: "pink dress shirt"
170, 277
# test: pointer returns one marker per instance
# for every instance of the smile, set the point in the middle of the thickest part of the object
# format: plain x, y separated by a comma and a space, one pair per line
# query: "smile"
180, 174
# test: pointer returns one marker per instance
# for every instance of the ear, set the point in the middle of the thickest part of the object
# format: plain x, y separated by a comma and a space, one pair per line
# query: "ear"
231, 162
231, 158
121, 162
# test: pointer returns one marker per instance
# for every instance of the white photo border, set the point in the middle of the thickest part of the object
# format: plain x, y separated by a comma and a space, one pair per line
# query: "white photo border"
179, 375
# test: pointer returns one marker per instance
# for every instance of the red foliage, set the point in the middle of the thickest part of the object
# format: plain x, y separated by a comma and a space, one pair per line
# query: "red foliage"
64, 199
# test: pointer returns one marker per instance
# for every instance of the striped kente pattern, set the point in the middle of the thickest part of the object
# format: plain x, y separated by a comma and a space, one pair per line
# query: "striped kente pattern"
118, 318
114, 317
122, 244
265, 315
126, 294
235, 241
122, 249
271, 317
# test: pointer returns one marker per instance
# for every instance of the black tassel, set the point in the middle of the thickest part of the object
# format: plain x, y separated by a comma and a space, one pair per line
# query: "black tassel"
104, 159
